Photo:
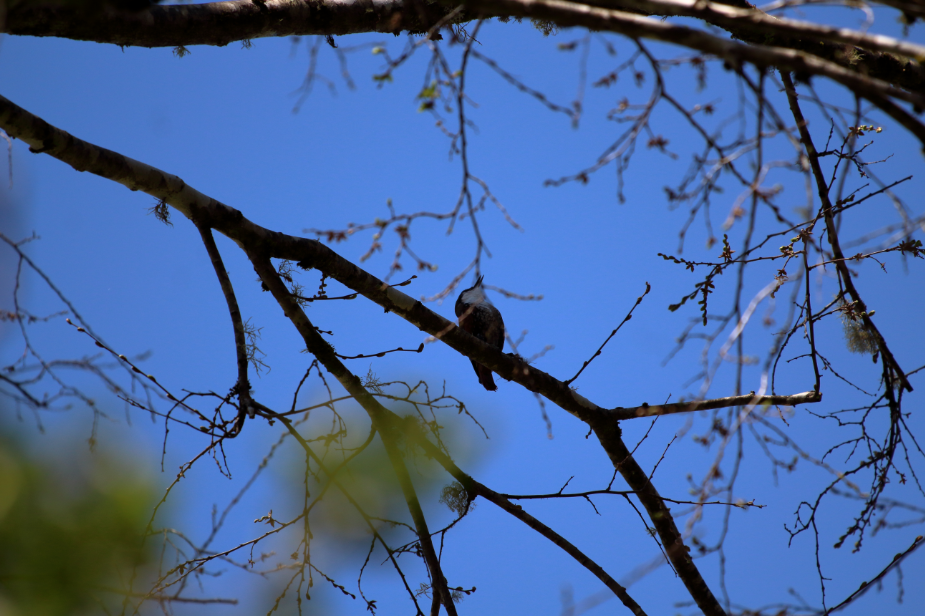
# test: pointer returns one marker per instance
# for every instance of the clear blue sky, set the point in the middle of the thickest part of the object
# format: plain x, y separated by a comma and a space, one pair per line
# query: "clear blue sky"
222, 119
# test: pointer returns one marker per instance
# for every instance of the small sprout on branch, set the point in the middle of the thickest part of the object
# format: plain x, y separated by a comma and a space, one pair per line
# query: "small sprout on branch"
428, 97
727, 253
660, 143
687, 264
606, 81
913, 247
268, 519
861, 129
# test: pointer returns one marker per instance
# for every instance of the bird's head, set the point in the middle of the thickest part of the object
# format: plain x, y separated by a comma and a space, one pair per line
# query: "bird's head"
474, 294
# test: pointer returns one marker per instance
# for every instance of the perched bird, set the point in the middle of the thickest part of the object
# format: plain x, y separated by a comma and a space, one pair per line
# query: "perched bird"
480, 318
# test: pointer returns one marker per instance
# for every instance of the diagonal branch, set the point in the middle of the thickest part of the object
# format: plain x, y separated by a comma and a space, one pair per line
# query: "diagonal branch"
838, 256
629, 315
332, 478
261, 244
887, 58
242, 387
758, 22
646, 410
474, 488
380, 416
865, 586
735, 54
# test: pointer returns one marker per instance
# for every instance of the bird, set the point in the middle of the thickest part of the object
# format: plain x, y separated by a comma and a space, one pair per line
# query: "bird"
480, 318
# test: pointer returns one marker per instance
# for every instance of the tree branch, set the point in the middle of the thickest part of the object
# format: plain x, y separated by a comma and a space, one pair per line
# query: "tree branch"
221, 23
474, 489
243, 386
751, 399
838, 256
380, 416
865, 586
332, 478
735, 54
261, 244
883, 57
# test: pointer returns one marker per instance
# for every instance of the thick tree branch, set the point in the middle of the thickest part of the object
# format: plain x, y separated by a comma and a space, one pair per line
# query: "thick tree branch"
883, 57
735, 54
740, 21
221, 23
256, 240
609, 434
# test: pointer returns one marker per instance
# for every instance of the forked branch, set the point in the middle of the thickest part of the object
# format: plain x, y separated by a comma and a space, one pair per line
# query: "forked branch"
380, 416
261, 244
242, 387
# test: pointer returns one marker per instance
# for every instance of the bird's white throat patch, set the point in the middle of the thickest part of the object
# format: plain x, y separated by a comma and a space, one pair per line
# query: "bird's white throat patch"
474, 296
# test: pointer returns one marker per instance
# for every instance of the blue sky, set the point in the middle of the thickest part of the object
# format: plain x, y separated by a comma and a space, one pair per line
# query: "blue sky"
222, 119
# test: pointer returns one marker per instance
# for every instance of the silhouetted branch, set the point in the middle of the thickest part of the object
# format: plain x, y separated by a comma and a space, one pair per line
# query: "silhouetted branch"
474, 488
823, 192
629, 315
261, 244
383, 353
646, 410
220, 23
242, 388
735, 54
380, 417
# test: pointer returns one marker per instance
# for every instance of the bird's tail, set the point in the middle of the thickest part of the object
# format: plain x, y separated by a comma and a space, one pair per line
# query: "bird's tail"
485, 377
